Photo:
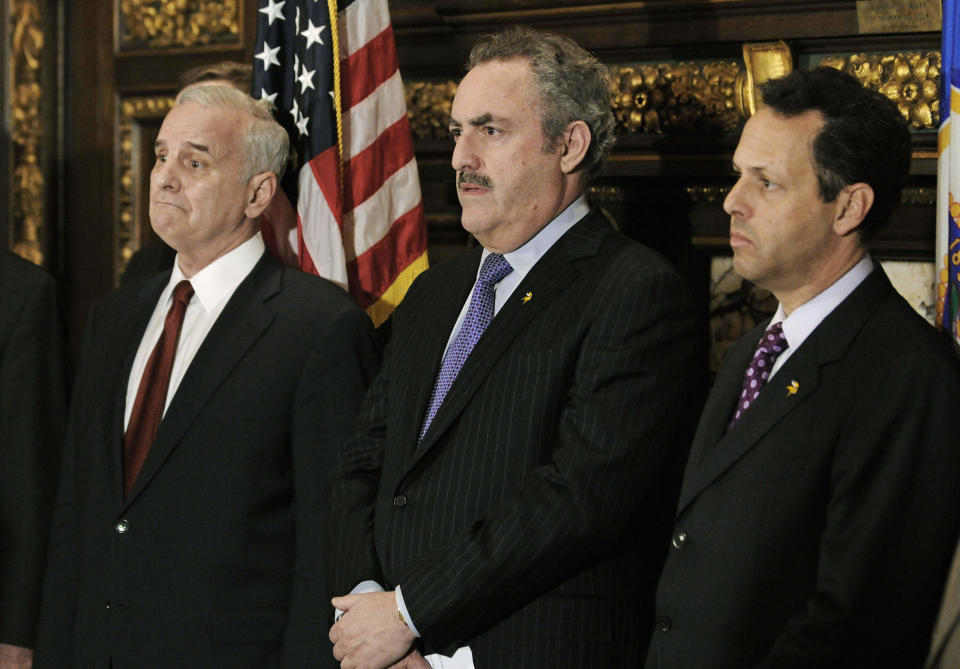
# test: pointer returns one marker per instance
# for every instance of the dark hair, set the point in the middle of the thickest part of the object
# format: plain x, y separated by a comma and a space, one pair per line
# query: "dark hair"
570, 84
864, 138
240, 75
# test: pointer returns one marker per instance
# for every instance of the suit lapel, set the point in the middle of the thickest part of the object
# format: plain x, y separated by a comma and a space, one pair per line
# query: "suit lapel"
239, 326
117, 371
548, 278
436, 320
827, 343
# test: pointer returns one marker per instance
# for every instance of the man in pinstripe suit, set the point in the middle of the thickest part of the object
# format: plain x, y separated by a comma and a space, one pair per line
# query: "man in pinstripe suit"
516, 518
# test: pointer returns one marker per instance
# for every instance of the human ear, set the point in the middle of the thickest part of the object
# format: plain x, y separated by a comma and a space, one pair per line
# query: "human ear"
260, 190
859, 199
575, 141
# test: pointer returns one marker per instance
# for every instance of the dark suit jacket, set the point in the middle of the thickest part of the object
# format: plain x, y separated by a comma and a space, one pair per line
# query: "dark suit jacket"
214, 560
529, 522
818, 531
32, 418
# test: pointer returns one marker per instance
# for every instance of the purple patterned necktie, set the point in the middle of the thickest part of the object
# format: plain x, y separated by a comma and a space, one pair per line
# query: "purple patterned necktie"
770, 348
479, 315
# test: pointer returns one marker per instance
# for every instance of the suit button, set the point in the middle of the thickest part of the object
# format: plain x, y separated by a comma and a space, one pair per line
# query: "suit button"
121, 526
664, 624
108, 604
679, 540
400, 501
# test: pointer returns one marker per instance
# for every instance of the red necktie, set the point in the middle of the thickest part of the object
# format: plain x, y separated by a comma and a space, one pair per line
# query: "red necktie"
152, 393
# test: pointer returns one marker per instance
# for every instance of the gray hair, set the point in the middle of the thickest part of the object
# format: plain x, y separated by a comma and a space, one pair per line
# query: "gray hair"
569, 83
265, 142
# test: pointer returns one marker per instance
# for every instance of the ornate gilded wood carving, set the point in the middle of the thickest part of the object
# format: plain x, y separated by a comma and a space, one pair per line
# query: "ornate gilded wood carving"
679, 97
28, 183
133, 112
428, 107
657, 98
911, 80
152, 24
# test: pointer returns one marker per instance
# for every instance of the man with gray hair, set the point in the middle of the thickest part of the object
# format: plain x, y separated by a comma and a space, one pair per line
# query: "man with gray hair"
208, 406
506, 498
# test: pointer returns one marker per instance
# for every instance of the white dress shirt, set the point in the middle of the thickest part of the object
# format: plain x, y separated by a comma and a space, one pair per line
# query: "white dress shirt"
213, 286
805, 318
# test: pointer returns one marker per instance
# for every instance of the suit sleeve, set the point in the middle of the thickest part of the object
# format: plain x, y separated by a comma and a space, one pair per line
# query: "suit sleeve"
615, 432
890, 526
329, 393
32, 416
55, 628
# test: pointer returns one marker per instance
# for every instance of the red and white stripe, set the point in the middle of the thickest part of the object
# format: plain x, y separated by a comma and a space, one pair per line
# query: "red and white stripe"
364, 237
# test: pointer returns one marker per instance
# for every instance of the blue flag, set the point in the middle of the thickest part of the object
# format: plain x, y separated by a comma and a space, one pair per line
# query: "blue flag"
948, 176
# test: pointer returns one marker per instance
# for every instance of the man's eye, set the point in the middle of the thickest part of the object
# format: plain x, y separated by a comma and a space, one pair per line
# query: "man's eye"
767, 184
455, 133
490, 130
161, 159
194, 163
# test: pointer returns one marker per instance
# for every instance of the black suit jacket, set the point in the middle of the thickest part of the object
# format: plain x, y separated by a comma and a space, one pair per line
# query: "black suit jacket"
528, 522
215, 558
817, 531
32, 419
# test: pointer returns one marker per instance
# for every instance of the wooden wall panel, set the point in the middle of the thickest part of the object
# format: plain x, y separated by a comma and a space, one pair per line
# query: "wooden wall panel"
663, 183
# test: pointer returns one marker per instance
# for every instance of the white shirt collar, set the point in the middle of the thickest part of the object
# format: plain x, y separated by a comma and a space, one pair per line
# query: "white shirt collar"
220, 278
524, 258
805, 318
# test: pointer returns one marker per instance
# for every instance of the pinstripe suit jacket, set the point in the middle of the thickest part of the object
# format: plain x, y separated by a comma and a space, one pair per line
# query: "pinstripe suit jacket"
528, 523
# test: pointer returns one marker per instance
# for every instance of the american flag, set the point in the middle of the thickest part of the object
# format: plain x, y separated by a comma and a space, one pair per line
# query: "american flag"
360, 214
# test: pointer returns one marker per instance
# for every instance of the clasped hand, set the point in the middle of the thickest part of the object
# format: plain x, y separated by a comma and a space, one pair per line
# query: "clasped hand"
370, 633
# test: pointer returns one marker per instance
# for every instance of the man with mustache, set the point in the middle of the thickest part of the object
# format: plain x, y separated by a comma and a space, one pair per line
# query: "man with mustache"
820, 504
209, 406
503, 500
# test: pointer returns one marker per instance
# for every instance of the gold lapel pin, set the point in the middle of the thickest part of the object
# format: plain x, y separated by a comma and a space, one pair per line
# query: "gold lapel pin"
526, 298
793, 388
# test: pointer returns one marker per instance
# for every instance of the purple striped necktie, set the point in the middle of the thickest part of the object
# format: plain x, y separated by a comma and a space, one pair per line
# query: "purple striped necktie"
479, 314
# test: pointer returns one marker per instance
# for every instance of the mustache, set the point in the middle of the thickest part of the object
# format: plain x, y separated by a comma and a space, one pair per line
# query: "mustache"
474, 179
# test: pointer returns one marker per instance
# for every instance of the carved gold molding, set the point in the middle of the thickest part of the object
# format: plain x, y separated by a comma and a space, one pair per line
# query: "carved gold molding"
28, 183
428, 107
679, 97
654, 98
763, 61
699, 194
125, 234
150, 24
910, 79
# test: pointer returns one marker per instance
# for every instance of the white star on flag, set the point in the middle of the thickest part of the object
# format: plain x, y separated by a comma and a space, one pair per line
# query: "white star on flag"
312, 34
305, 79
269, 56
360, 220
274, 10
302, 125
271, 98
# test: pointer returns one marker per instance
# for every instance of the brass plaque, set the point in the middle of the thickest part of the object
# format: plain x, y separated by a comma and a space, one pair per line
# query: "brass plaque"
898, 16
